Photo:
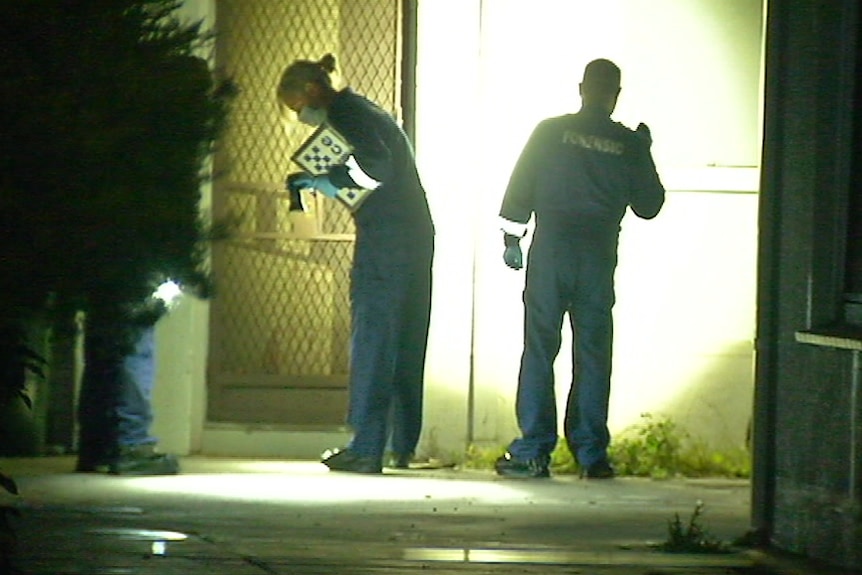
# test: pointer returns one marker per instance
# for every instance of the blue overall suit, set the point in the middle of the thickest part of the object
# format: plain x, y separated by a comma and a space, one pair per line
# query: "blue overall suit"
577, 174
390, 288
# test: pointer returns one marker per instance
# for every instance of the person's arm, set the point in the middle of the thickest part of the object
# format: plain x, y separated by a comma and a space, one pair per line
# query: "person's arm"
647, 192
518, 205
371, 163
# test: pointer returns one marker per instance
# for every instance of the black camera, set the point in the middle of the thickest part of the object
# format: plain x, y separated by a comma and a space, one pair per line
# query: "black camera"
295, 183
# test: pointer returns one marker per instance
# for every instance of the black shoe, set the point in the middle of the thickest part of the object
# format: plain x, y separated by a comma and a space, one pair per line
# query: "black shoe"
598, 470
94, 459
399, 460
88, 466
509, 466
142, 460
347, 460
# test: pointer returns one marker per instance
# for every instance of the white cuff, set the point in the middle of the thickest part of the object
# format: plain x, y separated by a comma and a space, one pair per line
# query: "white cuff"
356, 173
513, 228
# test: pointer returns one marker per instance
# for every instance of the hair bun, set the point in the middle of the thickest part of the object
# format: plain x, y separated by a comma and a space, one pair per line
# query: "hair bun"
327, 63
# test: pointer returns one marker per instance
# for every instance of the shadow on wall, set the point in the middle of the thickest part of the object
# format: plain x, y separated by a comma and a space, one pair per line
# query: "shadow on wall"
716, 407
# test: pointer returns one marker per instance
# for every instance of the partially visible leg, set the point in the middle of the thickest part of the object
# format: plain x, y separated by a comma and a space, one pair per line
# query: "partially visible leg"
137, 447
406, 421
372, 366
134, 407
591, 316
97, 423
374, 300
543, 316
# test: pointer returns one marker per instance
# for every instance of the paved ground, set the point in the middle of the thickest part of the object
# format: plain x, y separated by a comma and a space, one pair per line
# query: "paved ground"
227, 516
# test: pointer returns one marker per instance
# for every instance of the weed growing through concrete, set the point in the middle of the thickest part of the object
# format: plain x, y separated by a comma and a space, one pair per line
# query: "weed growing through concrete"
691, 537
652, 449
479, 457
659, 448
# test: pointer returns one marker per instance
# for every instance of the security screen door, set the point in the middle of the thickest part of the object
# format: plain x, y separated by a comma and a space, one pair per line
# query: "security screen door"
280, 319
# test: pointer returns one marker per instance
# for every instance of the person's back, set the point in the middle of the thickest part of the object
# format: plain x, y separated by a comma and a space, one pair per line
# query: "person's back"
577, 174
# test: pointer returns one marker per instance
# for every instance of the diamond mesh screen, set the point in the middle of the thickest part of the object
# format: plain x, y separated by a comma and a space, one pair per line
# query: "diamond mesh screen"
280, 322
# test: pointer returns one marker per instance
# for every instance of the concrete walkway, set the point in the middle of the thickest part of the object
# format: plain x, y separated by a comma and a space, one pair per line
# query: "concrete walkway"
230, 516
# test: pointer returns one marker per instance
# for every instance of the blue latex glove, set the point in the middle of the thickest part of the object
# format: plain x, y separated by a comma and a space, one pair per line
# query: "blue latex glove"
513, 257
320, 183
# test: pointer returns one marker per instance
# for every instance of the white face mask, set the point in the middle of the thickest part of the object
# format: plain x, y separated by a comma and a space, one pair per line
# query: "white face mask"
312, 116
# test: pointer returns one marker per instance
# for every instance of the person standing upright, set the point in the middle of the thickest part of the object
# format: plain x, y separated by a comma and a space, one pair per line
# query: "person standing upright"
390, 291
115, 410
577, 174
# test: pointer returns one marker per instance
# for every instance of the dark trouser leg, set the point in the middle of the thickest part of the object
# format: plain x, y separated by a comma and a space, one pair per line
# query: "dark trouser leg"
592, 326
536, 406
97, 423
376, 293
371, 369
410, 365
385, 280
114, 408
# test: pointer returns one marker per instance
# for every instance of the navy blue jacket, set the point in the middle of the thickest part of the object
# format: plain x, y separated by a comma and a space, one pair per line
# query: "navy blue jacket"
579, 172
398, 207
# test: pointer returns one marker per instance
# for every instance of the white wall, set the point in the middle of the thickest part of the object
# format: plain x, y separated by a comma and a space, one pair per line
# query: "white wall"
179, 393
686, 280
